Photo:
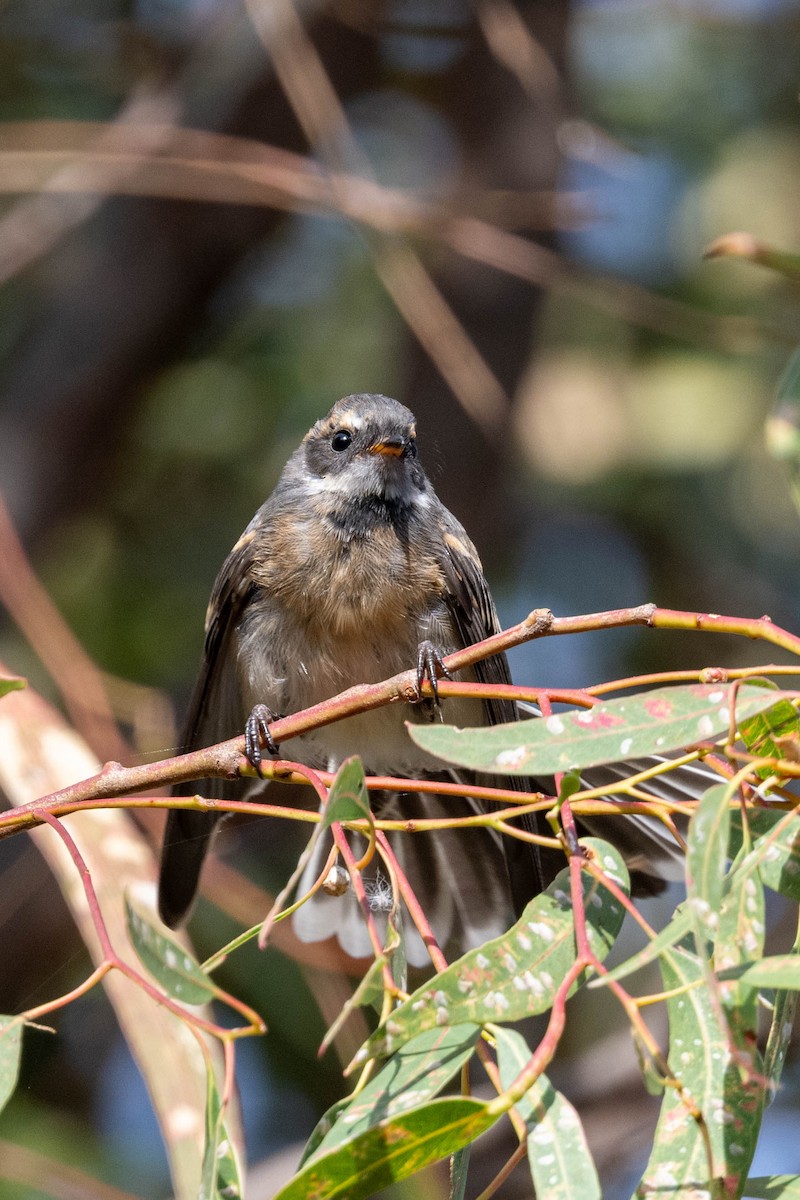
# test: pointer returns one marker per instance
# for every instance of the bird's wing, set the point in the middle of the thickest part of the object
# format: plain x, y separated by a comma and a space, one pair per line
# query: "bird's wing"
214, 715
530, 867
215, 710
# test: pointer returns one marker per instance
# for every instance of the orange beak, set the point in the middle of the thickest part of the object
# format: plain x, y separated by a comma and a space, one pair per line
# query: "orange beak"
393, 447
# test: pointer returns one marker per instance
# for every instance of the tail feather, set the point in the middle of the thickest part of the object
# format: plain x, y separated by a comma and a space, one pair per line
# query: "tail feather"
186, 839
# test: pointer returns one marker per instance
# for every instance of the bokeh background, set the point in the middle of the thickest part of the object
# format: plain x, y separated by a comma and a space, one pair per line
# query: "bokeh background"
527, 190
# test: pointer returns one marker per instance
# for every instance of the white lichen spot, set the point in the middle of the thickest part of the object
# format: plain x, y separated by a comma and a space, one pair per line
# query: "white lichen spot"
715, 697
554, 725
509, 962
625, 746
524, 941
542, 931
483, 962
705, 727
533, 984
442, 1017
418, 1005
514, 757
585, 718
542, 1135
440, 997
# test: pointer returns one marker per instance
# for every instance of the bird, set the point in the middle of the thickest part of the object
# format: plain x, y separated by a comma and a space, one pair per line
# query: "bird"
352, 571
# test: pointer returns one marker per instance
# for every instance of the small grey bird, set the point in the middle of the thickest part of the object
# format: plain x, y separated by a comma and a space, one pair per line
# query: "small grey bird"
352, 571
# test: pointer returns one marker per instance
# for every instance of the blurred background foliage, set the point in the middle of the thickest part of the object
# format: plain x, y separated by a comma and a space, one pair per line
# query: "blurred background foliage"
591, 407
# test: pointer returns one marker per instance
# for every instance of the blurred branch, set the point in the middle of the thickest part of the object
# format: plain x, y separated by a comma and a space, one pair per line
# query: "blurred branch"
76, 676
420, 302
184, 164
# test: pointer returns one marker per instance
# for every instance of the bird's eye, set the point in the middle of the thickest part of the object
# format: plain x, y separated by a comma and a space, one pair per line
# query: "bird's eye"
411, 449
341, 440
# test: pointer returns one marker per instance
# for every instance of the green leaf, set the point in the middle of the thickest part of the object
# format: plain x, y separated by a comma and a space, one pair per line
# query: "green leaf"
653, 722
348, 799
10, 1052
706, 854
561, 1164
729, 1097
420, 1069
759, 733
773, 1187
776, 971
459, 1169
780, 1029
391, 1151
220, 1177
180, 975
11, 683
675, 931
518, 974
775, 851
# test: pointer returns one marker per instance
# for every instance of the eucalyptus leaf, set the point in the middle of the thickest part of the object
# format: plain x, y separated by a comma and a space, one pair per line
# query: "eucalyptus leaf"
707, 1056
561, 1165
390, 1151
419, 1069
654, 722
220, 1177
180, 975
348, 799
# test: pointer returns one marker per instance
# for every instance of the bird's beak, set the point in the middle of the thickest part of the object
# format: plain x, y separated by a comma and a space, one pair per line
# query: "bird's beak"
393, 447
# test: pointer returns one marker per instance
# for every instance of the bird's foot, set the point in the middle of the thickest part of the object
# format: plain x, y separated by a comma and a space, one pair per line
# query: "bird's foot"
430, 667
257, 736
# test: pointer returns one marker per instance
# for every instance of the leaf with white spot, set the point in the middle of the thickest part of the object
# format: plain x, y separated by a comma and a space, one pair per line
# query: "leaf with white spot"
180, 975
766, 734
654, 722
775, 848
516, 975
420, 1069
561, 1164
706, 855
714, 1080
220, 1176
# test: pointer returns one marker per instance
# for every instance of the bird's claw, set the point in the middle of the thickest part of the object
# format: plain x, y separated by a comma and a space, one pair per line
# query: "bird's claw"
430, 667
257, 736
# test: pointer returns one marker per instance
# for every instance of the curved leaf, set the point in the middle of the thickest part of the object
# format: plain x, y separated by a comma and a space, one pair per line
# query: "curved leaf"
561, 1164
390, 1151
653, 722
